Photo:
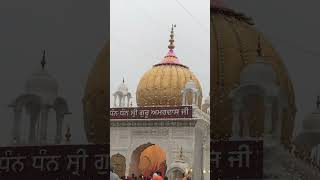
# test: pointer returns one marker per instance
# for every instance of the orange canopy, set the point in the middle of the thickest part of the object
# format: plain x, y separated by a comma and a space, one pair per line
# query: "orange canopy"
151, 158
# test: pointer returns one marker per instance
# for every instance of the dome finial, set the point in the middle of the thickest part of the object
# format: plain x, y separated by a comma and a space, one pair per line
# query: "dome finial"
43, 61
123, 80
181, 154
171, 45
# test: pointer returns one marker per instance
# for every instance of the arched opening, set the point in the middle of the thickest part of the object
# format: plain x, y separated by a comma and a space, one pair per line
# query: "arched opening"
252, 118
176, 173
189, 97
53, 125
118, 163
24, 126
148, 159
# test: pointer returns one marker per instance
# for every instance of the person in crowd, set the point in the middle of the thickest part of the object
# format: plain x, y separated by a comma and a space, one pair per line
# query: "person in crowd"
156, 177
184, 177
132, 177
189, 175
113, 176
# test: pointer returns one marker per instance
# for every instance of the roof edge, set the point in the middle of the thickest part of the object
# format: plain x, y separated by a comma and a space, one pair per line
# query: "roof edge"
231, 13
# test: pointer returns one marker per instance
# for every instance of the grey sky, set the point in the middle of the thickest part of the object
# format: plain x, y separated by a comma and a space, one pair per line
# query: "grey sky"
140, 32
293, 28
72, 32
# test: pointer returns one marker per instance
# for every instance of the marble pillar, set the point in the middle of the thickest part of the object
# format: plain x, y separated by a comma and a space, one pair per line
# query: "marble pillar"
33, 123
16, 125
197, 167
206, 157
236, 107
170, 147
246, 126
128, 101
123, 100
120, 101
115, 100
268, 118
44, 124
183, 98
59, 121
130, 151
193, 98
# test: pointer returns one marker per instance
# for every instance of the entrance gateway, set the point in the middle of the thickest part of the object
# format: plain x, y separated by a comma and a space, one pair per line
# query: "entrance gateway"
164, 139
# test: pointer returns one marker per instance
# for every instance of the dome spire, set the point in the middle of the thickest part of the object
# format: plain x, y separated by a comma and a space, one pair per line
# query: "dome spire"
171, 45
43, 61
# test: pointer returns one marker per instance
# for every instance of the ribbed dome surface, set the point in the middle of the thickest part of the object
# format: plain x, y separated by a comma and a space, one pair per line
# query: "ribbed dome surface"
162, 85
95, 100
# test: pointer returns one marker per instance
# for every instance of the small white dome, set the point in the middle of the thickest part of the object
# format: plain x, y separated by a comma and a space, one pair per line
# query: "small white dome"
259, 72
191, 85
41, 83
123, 88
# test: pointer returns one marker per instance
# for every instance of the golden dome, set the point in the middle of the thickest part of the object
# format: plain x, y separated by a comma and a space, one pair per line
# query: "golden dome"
95, 100
163, 83
234, 42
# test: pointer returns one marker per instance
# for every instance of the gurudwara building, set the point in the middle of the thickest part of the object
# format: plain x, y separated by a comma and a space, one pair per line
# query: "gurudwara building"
172, 145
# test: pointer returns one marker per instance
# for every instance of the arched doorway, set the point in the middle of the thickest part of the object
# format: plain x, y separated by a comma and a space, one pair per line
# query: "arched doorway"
176, 174
253, 117
118, 162
148, 158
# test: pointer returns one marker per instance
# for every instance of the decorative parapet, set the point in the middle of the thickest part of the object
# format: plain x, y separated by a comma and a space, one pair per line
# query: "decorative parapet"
197, 113
154, 123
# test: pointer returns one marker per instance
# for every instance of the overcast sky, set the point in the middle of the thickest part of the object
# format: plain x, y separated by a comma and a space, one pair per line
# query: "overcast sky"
72, 32
140, 32
294, 31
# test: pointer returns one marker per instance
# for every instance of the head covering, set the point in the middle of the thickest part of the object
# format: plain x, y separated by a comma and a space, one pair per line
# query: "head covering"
156, 177
114, 176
